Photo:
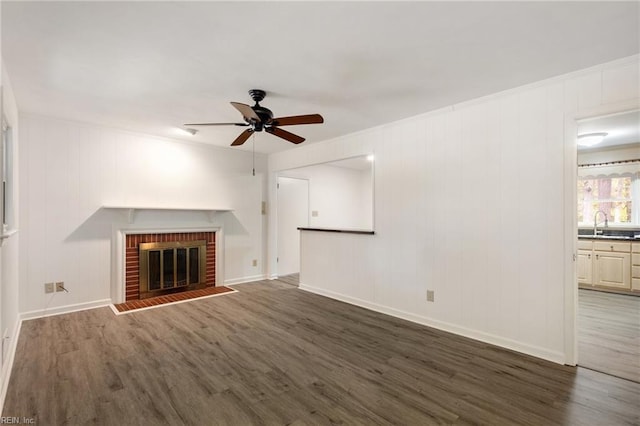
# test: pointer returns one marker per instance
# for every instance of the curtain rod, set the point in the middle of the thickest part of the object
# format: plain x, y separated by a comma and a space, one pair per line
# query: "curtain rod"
635, 160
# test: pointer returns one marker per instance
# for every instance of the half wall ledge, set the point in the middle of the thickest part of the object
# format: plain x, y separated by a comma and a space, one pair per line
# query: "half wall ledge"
343, 231
131, 211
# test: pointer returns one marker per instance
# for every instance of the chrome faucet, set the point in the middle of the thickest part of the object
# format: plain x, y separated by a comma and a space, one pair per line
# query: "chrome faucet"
595, 223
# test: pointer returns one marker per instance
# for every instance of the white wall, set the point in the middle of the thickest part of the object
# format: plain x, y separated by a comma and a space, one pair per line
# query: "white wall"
341, 196
9, 320
69, 170
470, 203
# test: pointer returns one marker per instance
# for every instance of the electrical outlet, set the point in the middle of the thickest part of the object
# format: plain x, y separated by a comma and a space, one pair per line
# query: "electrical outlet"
255, 262
430, 295
48, 287
60, 286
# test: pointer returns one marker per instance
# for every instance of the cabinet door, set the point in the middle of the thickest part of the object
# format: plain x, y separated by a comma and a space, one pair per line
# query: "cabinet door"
585, 267
612, 269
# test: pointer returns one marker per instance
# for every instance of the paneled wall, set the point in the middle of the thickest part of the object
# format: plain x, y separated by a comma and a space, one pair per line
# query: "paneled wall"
69, 170
470, 203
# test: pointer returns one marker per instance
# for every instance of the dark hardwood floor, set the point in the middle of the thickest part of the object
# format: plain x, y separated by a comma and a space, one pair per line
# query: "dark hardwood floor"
293, 279
609, 333
273, 354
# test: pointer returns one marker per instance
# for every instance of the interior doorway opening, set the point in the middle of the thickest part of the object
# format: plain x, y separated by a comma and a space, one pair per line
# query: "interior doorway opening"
293, 212
607, 207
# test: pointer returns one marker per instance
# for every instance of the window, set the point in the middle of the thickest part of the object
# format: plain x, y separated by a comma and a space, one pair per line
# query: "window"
615, 196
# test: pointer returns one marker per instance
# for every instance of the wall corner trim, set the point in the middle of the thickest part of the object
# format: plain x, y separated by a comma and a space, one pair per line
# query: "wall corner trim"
5, 375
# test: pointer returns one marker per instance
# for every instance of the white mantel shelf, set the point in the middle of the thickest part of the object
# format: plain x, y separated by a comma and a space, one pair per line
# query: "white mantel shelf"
132, 210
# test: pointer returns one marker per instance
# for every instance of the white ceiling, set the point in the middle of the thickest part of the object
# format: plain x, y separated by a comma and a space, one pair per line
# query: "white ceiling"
151, 66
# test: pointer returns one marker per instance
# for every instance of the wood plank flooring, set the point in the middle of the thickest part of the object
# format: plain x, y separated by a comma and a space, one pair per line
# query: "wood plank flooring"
273, 354
609, 333
293, 279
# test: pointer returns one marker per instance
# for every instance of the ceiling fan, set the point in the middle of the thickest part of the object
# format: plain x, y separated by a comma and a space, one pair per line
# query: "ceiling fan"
259, 118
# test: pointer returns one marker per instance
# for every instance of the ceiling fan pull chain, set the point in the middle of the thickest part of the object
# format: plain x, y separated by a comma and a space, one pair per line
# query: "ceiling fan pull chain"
253, 142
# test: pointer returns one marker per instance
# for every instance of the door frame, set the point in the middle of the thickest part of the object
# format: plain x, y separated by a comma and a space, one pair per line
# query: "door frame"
571, 221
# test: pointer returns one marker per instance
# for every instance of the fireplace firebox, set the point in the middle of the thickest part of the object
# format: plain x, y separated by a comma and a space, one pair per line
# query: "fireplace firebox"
167, 267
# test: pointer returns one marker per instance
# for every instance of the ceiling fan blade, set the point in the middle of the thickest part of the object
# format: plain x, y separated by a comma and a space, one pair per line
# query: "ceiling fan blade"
216, 124
298, 119
242, 138
284, 135
246, 111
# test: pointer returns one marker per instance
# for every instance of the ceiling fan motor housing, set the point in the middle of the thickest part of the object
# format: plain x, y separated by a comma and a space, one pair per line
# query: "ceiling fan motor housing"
265, 114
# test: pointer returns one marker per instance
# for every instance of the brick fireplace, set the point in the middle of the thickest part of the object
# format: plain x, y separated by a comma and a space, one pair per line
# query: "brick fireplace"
133, 260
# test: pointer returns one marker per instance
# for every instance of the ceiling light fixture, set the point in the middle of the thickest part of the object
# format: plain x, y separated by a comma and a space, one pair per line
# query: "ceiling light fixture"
186, 131
591, 139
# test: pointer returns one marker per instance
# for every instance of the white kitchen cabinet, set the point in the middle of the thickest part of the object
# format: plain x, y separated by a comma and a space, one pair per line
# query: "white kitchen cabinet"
612, 269
585, 267
608, 264
635, 266
609, 246
585, 262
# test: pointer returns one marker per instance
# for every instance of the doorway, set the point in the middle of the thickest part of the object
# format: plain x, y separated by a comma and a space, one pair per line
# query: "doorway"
608, 199
293, 212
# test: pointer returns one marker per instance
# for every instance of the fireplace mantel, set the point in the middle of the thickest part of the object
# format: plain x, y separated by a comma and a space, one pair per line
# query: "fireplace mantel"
131, 211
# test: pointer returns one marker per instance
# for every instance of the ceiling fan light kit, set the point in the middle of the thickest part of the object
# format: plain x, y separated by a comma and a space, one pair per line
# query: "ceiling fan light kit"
258, 118
186, 131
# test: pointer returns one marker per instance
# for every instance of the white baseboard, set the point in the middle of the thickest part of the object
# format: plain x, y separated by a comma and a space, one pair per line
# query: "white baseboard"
242, 280
535, 351
5, 375
41, 313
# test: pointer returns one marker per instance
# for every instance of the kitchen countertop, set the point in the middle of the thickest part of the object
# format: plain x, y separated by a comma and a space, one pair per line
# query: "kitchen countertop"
344, 231
609, 237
